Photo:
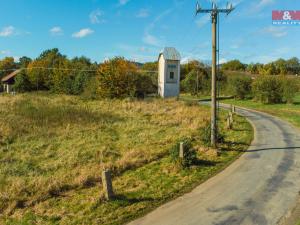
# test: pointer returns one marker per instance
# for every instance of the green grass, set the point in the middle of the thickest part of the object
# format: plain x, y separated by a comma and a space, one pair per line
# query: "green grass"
53, 148
289, 112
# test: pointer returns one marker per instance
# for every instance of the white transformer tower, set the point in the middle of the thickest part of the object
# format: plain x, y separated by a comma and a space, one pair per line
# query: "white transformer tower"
169, 73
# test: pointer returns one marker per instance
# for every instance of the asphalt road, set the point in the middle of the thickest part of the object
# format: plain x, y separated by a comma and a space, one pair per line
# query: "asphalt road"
259, 188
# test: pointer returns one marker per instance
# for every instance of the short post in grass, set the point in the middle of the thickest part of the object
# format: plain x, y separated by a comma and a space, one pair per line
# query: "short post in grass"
181, 150
107, 185
231, 117
228, 123
232, 108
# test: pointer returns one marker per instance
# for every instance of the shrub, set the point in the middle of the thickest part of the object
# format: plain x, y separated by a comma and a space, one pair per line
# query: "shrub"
190, 155
290, 88
239, 86
116, 78
145, 84
271, 89
90, 89
196, 81
22, 83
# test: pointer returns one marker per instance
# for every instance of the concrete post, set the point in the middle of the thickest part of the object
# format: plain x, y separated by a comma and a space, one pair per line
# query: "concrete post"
232, 108
181, 150
107, 185
231, 117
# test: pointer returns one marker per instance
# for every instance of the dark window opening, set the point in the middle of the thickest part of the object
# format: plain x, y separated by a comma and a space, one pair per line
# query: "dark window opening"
172, 75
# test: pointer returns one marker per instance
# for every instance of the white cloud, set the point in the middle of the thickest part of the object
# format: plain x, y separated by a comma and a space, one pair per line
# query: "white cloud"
277, 32
4, 52
55, 31
223, 60
143, 13
151, 40
123, 2
83, 33
96, 17
7, 31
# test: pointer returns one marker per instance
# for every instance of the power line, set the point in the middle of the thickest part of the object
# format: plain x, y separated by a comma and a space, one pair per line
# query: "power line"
67, 69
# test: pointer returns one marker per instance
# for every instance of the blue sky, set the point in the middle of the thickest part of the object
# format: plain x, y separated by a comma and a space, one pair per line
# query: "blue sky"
139, 29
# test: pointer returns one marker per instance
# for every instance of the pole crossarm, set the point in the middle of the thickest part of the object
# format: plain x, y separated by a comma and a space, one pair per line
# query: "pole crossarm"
227, 11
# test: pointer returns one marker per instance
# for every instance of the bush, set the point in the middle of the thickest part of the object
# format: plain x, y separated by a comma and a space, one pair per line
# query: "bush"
90, 89
239, 86
22, 83
116, 78
274, 89
197, 81
190, 155
290, 88
268, 89
145, 84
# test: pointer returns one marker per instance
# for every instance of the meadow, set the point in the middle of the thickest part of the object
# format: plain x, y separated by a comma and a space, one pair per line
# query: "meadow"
288, 112
54, 147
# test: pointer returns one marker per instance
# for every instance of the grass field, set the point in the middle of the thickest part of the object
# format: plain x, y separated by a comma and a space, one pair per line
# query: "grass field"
53, 148
289, 112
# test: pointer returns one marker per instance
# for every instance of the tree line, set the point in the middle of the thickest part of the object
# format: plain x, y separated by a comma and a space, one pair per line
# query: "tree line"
278, 67
120, 78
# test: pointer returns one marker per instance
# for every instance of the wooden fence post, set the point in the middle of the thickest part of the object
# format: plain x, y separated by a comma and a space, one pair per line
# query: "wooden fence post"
107, 185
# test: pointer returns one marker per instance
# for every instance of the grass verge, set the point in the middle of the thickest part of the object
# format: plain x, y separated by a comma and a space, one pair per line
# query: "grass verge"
288, 112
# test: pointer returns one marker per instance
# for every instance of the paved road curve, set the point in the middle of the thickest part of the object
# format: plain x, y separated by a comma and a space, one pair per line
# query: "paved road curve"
259, 188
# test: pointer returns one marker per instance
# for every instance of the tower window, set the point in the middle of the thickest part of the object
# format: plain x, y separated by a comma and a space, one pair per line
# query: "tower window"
172, 75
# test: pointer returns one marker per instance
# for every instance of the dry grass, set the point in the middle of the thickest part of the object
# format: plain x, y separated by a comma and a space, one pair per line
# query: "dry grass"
50, 145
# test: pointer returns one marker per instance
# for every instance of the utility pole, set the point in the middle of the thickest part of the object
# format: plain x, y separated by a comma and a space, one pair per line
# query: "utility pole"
214, 11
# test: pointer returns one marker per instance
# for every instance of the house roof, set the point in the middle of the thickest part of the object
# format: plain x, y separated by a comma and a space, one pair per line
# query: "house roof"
11, 75
170, 53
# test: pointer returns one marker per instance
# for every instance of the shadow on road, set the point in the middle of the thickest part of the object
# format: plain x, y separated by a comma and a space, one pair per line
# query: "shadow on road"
270, 149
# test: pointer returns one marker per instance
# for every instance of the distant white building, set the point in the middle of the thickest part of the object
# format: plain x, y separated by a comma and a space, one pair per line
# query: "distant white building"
169, 73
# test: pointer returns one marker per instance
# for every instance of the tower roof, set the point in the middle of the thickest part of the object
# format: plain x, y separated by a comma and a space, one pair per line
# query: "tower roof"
170, 53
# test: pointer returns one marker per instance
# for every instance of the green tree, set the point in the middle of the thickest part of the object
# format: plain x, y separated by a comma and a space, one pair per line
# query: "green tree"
7, 65
234, 65
239, 86
24, 62
22, 83
197, 81
268, 89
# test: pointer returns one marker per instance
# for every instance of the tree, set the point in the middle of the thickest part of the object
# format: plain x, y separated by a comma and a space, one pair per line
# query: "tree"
281, 66
50, 71
189, 67
24, 62
240, 86
234, 65
293, 65
82, 71
22, 83
7, 65
197, 81
116, 78
254, 68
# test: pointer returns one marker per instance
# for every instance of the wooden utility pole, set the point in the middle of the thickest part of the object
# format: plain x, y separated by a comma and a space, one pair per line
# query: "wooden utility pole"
214, 16
214, 11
